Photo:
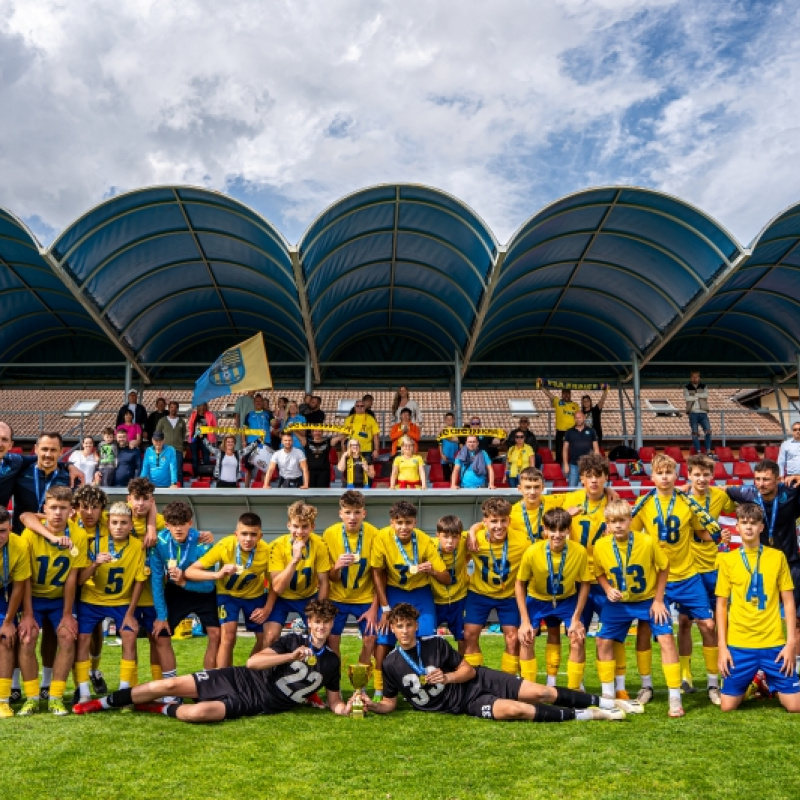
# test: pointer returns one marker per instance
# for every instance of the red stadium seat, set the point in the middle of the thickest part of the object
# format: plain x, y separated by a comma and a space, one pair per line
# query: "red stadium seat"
720, 473
771, 452
676, 453
735, 482
257, 485
560, 484
499, 476
724, 454
381, 483
333, 456
436, 473
378, 465
749, 454
682, 470
546, 454
16, 450
613, 471
440, 485
433, 456
646, 484
741, 469
646, 454
552, 472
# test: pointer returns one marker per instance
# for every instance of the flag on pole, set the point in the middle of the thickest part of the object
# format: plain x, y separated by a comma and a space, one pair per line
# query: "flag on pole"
239, 369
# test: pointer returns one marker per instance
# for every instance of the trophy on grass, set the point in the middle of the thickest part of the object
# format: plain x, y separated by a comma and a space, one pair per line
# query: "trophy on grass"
359, 675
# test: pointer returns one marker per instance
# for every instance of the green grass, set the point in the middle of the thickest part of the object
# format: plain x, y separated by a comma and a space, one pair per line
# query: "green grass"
313, 754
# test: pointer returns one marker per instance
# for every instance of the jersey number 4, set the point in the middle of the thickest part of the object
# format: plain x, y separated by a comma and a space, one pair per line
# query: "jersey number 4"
298, 694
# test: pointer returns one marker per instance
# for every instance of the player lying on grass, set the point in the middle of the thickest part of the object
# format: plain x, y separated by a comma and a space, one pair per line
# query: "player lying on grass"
277, 679
432, 676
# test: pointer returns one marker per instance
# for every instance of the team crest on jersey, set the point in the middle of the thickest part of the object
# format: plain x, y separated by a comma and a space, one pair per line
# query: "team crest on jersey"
228, 368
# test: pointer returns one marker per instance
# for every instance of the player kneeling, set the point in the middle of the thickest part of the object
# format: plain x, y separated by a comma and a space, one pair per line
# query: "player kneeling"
432, 676
633, 571
757, 580
276, 679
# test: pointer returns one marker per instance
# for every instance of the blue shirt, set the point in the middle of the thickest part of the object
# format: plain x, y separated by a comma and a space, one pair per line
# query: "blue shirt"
129, 465
11, 465
449, 451
295, 420
161, 468
467, 479
161, 552
258, 419
30, 488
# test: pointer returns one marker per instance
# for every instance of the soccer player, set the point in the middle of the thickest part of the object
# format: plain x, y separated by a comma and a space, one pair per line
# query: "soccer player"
433, 677
450, 599
753, 581
352, 587
299, 564
53, 586
552, 584
673, 519
177, 548
404, 562
632, 570
241, 583
14, 596
716, 502
277, 679
111, 586
496, 559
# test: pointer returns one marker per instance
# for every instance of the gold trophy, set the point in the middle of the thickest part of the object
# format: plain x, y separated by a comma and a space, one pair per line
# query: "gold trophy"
359, 675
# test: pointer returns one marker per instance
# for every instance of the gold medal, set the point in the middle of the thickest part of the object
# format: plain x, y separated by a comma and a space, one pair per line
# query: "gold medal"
423, 679
74, 551
172, 563
356, 556
413, 569
147, 571
239, 569
311, 660
754, 601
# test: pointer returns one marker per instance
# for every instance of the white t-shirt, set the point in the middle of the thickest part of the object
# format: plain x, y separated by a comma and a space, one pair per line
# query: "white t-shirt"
87, 466
229, 469
412, 406
289, 463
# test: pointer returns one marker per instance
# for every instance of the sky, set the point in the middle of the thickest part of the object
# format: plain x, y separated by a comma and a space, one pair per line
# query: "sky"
508, 105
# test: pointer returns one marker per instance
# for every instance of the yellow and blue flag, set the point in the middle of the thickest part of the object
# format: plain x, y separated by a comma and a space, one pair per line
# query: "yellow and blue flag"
239, 369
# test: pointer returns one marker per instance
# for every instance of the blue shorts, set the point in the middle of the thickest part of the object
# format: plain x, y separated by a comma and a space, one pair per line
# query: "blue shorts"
690, 597
44, 608
477, 608
539, 610
228, 608
146, 617
452, 615
747, 661
346, 610
283, 607
422, 600
4, 608
594, 604
89, 615
616, 619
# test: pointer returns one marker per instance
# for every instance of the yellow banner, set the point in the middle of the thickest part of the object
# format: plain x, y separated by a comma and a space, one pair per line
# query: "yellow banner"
235, 431
495, 433
309, 426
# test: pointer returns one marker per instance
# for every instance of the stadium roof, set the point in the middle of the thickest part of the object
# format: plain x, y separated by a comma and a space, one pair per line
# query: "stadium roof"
396, 282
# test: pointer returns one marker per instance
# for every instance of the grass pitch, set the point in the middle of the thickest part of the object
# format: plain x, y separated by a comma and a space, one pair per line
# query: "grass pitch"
313, 754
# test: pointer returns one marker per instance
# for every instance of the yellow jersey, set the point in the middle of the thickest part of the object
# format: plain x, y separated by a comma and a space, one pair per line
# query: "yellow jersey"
497, 564
139, 531
363, 427
680, 524
589, 524
112, 583
387, 555
355, 584
314, 559
528, 521
50, 565
408, 468
716, 502
635, 572
518, 458
93, 536
456, 564
573, 566
565, 414
251, 582
754, 607
19, 563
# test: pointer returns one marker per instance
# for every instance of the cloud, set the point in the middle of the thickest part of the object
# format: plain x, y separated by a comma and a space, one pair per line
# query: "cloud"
290, 105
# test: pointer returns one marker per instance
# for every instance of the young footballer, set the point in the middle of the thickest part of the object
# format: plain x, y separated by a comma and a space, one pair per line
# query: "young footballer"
241, 583
433, 677
405, 562
111, 586
633, 571
752, 584
553, 584
673, 519
450, 599
352, 588
299, 564
277, 679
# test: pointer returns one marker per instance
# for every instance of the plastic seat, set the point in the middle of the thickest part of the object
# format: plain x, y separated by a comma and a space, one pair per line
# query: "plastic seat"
735, 482
724, 454
676, 453
741, 469
333, 456
646, 454
749, 454
560, 484
440, 485
546, 454
436, 473
720, 473
771, 452
499, 476
433, 456
552, 472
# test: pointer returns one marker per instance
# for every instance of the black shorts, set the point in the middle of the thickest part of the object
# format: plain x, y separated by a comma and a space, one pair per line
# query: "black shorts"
318, 479
242, 691
181, 602
794, 571
490, 685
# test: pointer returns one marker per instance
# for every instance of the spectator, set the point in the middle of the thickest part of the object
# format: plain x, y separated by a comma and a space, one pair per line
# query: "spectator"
696, 396
230, 462
290, 464
355, 467
11, 464
107, 458
132, 430
159, 464
564, 410
315, 415
201, 416
402, 401
174, 429
294, 417
129, 460
594, 413
305, 406
404, 428
245, 403
486, 443
318, 453
367, 400
138, 411
260, 418
524, 427
364, 428
408, 470
473, 468
520, 456
449, 447
278, 421
789, 454
578, 441
154, 418
85, 460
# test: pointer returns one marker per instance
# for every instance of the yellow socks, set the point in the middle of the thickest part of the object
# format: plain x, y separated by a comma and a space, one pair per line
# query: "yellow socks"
509, 664
672, 674
529, 669
644, 661
127, 673
81, 672
377, 680
31, 688
711, 656
156, 672
475, 659
5, 689
57, 689
686, 668
605, 671
552, 659
620, 658
575, 672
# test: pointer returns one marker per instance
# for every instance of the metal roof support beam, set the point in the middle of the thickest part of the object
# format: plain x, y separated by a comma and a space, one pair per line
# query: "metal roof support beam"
483, 310
393, 265
128, 379
457, 388
637, 401
777, 392
302, 294
308, 382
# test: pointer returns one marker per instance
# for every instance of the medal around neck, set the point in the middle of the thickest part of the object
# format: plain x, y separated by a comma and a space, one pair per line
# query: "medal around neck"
359, 675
